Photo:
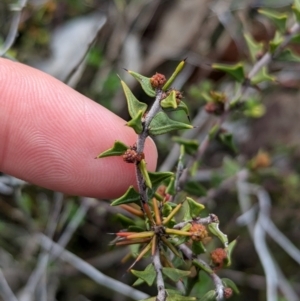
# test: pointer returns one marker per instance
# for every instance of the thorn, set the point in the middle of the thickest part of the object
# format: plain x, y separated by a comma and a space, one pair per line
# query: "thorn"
126, 69
119, 77
185, 59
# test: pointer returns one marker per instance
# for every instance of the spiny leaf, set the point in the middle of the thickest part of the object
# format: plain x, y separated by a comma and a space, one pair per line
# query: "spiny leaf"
134, 106
143, 168
175, 274
279, 19
254, 47
145, 83
296, 9
194, 188
148, 275
174, 75
162, 124
180, 107
227, 140
169, 101
130, 196
236, 71
214, 229
160, 177
276, 41
262, 76
118, 149
198, 247
190, 146
195, 207
136, 122
287, 55
254, 108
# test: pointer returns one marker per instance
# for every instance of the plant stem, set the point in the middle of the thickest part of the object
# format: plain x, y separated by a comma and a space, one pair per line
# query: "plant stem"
161, 291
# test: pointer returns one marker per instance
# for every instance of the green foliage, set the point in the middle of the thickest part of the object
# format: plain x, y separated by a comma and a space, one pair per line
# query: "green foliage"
236, 71
118, 149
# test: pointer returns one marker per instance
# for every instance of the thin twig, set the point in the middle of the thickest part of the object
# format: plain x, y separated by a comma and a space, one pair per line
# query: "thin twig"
161, 291
5, 290
89, 270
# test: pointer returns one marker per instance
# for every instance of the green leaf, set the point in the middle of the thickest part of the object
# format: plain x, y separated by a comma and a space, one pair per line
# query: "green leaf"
227, 140
194, 188
171, 187
160, 176
162, 124
198, 247
287, 55
139, 281
143, 168
130, 196
174, 75
204, 267
134, 106
279, 19
180, 298
296, 9
254, 108
229, 250
262, 76
181, 107
145, 83
136, 122
125, 221
169, 101
209, 296
190, 146
254, 47
148, 275
118, 149
214, 229
175, 274
236, 71
277, 40
230, 167
194, 207
229, 283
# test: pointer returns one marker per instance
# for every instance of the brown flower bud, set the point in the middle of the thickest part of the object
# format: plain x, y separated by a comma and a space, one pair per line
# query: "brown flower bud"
157, 80
199, 232
218, 256
131, 155
214, 108
227, 292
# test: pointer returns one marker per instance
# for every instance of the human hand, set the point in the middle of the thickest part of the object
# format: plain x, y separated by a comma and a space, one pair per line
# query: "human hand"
50, 135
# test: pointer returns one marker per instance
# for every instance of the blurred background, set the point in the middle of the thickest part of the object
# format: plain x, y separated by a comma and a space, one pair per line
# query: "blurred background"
86, 44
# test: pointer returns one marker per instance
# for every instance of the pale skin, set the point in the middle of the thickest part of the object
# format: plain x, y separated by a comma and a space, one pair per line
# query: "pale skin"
50, 135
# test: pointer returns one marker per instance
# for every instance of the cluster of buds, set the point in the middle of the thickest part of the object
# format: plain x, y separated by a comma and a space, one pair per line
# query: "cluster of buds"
227, 292
217, 103
157, 81
218, 257
131, 155
199, 232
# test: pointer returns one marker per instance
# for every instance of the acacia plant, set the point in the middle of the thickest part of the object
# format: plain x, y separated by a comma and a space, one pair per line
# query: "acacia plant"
169, 226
